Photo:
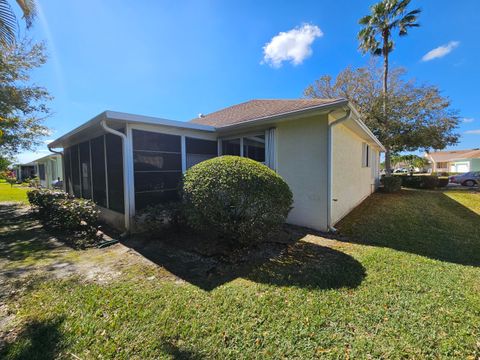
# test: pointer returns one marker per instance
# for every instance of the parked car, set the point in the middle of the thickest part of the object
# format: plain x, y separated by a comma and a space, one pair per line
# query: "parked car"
468, 179
401, 171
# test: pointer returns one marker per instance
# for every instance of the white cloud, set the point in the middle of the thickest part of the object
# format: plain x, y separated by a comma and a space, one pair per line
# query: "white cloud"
476, 132
294, 45
468, 120
440, 51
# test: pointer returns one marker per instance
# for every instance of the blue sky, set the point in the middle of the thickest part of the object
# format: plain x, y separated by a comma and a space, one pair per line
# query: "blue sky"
176, 59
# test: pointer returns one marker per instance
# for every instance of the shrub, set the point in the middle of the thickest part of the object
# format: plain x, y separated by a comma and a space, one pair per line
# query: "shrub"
77, 218
391, 184
419, 181
236, 199
443, 181
156, 218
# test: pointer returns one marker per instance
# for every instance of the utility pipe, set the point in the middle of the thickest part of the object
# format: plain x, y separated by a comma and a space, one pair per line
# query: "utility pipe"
126, 167
330, 168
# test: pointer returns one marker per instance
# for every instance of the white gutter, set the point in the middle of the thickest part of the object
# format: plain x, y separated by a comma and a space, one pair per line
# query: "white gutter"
126, 181
330, 168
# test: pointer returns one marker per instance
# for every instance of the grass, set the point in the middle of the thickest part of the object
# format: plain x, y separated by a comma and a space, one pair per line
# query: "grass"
13, 194
391, 291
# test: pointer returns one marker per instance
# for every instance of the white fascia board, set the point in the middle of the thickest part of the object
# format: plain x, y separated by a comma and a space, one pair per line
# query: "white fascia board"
128, 118
357, 118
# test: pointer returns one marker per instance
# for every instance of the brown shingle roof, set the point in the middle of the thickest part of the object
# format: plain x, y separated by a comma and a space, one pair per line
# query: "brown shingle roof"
258, 109
445, 156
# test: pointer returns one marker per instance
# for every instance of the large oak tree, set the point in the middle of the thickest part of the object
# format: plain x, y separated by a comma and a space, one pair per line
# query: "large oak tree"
419, 116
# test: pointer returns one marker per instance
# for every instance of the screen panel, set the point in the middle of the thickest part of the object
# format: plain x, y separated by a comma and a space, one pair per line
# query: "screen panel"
98, 171
157, 167
75, 164
231, 147
199, 150
67, 169
85, 174
115, 172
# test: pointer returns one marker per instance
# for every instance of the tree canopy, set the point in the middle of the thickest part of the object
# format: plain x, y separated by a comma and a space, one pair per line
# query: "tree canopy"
419, 116
8, 20
23, 105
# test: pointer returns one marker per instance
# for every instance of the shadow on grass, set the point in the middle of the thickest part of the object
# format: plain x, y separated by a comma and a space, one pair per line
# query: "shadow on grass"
176, 352
21, 235
37, 340
426, 223
294, 263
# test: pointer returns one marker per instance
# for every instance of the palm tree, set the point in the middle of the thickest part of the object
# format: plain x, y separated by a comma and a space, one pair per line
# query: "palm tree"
376, 38
8, 20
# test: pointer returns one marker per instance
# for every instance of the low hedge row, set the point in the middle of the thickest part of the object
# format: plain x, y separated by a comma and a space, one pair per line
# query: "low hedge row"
76, 218
394, 183
423, 181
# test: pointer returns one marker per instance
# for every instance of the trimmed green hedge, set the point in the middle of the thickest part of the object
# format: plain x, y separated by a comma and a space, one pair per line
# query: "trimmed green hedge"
235, 198
76, 218
391, 184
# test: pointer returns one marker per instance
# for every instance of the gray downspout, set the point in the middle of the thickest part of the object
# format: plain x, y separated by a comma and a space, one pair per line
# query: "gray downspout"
330, 169
126, 184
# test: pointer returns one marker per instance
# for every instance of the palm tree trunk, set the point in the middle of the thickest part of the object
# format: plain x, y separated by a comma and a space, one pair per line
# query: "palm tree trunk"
385, 94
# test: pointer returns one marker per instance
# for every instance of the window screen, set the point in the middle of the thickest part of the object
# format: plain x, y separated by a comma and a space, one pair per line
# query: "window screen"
199, 150
98, 171
85, 175
115, 172
75, 164
254, 147
41, 171
231, 147
68, 174
157, 166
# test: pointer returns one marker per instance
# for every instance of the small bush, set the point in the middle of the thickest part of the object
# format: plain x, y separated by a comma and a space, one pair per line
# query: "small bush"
391, 184
156, 218
76, 218
420, 181
236, 199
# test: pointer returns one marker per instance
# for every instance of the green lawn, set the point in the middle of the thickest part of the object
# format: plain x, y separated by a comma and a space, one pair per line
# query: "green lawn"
15, 193
406, 285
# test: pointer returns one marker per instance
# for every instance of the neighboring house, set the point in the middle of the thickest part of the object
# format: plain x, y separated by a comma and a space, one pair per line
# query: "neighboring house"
24, 172
458, 161
48, 169
322, 149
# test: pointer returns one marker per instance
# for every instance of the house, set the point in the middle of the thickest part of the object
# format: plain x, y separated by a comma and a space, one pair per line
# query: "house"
25, 171
457, 161
48, 169
322, 149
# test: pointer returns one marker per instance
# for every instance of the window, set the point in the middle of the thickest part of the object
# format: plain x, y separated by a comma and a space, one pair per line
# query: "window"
442, 165
97, 146
253, 147
41, 171
157, 167
365, 155
199, 150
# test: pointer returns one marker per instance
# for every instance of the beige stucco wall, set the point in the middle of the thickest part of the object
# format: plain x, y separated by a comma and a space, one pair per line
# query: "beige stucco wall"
351, 182
302, 161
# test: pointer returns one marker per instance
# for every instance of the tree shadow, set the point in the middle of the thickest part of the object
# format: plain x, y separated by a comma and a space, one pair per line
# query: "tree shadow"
422, 222
38, 340
22, 236
294, 262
